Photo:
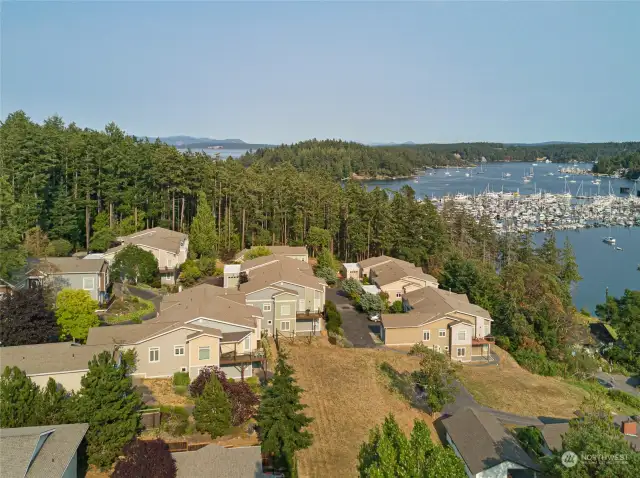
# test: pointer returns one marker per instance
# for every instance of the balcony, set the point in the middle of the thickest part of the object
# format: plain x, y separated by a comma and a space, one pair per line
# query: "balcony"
234, 357
308, 316
482, 341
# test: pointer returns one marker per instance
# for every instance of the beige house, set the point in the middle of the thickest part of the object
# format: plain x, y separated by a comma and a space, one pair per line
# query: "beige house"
65, 362
169, 247
442, 320
49, 451
393, 276
215, 461
195, 328
290, 297
298, 253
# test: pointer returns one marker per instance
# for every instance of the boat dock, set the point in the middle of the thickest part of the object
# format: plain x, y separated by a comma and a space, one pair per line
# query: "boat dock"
512, 212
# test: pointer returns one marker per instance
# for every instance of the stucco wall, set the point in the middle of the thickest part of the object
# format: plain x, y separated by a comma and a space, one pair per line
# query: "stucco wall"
195, 364
169, 363
75, 281
70, 381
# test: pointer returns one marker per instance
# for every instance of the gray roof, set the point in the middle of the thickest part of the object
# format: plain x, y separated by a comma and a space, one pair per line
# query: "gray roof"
20, 457
372, 261
68, 265
282, 269
283, 250
552, 434
396, 269
430, 303
483, 442
214, 461
50, 358
228, 337
135, 333
158, 238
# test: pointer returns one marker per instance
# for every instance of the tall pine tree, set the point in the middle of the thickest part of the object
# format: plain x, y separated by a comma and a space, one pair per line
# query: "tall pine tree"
202, 235
280, 419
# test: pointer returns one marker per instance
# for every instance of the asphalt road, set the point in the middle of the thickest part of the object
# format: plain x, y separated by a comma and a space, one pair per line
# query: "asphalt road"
620, 382
356, 325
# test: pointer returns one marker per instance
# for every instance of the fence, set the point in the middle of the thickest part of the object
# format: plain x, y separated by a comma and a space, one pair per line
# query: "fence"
151, 418
180, 446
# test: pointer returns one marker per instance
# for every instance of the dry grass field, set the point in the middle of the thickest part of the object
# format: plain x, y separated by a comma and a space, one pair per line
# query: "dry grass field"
510, 388
346, 395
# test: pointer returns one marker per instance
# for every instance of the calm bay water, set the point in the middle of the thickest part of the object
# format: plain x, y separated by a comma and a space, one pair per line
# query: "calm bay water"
224, 153
600, 265
440, 184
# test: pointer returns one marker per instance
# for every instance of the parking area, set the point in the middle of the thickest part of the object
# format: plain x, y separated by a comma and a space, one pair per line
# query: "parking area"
356, 325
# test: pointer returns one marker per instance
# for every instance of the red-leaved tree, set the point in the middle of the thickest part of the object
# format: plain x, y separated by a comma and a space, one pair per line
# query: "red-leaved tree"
244, 402
146, 459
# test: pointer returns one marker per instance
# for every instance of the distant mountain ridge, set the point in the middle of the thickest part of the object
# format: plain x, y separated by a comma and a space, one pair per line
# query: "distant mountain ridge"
192, 142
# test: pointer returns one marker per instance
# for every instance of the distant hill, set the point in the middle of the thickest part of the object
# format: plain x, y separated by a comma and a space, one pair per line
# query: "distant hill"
192, 142
544, 143
406, 143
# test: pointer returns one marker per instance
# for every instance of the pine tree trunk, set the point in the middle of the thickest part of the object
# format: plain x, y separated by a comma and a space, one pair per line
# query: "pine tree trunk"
111, 215
87, 220
243, 219
173, 211
182, 215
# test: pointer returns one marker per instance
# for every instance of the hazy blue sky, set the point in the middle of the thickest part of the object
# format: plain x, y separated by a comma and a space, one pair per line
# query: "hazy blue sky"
283, 72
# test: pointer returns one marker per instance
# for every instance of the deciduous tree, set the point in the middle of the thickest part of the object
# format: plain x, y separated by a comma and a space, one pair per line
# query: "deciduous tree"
133, 264
76, 313
25, 318
436, 377
146, 459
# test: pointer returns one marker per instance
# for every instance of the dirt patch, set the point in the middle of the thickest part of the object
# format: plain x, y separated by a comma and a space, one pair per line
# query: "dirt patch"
510, 388
163, 393
347, 395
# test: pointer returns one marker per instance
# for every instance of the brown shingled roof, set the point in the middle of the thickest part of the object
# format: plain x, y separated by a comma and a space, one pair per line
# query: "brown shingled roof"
51, 358
134, 333
158, 238
68, 265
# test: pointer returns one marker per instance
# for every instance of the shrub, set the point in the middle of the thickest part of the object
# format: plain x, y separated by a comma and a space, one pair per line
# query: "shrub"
181, 378
175, 420
207, 265
257, 251
254, 384
623, 397
371, 303
59, 248
190, 273
396, 307
538, 363
146, 458
181, 389
328, 274
333, 319
326, 259
503, 342
352, 288
531, 439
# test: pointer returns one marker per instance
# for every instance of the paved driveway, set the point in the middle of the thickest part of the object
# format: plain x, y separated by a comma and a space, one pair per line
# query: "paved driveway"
356, 325
621, 382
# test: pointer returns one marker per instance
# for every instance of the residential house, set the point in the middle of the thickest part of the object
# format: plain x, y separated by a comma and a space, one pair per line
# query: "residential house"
169, 247
49, 451
298, 253
91, 275
65, 362
215, 461
552, 433
486, 447
442, 320
290, 296
195, 328
6, 287
393, 276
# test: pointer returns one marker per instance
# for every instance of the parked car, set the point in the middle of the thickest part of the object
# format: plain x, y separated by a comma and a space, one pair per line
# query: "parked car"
374, 317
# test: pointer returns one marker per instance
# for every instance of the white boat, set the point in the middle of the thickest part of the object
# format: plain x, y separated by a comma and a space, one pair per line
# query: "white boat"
467, 175
609, 240
447, 173
507, 175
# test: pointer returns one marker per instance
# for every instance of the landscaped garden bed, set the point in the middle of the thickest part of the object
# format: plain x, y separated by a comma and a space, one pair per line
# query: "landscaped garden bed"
128, 309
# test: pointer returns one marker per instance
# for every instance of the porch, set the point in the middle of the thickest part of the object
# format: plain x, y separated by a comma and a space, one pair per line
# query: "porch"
234, 357
481, 349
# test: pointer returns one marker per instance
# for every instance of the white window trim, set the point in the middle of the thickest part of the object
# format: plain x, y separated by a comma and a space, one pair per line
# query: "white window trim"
464, 334
244, 345
464, 352
266, 307
93, 283
282, 312
426, 333
282, 328
442, 333
208, 348
398, 295
151, 349
175, 349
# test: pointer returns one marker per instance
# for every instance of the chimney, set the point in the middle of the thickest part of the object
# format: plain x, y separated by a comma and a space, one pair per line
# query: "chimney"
629, 428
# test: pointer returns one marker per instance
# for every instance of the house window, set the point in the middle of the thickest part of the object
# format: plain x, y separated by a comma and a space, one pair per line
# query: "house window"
154, 354
461, 351
301, 305
426, 335
204, 353
398, 295
442, 333
247, 344
285, 309
266, 307
88, 283
462, 335
285, 326
178, 350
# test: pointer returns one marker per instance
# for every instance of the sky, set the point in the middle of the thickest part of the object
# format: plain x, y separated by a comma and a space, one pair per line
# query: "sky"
363, 71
